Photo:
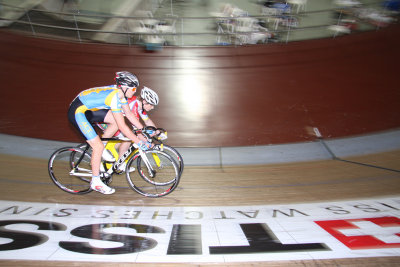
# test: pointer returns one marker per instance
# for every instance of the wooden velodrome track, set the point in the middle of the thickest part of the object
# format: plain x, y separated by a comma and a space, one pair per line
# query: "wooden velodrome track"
214, 97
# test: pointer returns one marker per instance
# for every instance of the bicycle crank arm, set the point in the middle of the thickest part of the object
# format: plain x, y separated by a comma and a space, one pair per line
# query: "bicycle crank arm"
73, 173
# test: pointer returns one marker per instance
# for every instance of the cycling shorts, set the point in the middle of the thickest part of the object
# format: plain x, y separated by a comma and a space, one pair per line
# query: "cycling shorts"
82, 118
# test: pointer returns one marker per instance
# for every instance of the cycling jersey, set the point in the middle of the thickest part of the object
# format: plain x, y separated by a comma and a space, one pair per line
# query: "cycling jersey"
92, 100
133, 106
102, 98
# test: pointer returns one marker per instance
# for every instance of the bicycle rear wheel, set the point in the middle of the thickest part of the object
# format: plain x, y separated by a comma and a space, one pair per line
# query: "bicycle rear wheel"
70, 170
161, 180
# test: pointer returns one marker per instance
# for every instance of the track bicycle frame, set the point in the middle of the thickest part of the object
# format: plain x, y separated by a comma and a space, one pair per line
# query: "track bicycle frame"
110, 171
75, 168
131, 149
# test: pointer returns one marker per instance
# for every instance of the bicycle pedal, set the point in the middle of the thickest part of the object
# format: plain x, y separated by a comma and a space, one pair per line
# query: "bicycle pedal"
104, 175
106, 179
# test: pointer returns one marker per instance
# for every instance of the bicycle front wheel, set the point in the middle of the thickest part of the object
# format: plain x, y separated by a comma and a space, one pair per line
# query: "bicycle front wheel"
70, 170
157, 175
174, 155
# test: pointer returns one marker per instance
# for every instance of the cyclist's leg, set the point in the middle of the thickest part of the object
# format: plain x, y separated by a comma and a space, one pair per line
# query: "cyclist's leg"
97, 147
97, 184
120, 147
105, 121
77, 116
92, 138
74, 106
110, 130
123, 148
112, 126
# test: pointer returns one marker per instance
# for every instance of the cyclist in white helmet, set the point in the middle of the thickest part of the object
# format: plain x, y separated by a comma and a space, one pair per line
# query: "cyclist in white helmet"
150, 97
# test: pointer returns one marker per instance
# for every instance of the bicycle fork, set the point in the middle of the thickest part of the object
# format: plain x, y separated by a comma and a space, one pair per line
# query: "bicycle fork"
146, 161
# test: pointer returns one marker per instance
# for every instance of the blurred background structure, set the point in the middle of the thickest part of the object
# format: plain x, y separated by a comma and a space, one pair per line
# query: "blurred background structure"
195, 22
229, 73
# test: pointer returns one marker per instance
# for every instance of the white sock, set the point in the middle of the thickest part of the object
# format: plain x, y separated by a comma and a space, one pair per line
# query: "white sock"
96, 179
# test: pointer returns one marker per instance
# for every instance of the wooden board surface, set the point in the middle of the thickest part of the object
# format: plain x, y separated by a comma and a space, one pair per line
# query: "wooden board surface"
26, 179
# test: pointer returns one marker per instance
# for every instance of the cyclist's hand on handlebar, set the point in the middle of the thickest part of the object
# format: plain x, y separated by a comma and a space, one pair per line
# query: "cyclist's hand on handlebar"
150, 132
142, 138
162, 136
143, 145
153, 133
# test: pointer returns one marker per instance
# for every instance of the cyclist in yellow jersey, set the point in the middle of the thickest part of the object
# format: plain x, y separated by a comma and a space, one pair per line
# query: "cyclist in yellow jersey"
140, 106
114, 98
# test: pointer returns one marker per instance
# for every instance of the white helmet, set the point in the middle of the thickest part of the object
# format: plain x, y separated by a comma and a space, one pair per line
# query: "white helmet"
149, 95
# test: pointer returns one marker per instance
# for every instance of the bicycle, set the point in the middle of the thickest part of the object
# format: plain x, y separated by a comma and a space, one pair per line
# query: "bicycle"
157, 142
159, 175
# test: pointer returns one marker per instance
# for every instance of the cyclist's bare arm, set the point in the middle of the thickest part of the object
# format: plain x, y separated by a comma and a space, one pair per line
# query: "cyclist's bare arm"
149, 122
119, 118
131, 117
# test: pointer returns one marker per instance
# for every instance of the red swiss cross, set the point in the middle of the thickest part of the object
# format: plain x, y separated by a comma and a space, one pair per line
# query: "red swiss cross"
368, 233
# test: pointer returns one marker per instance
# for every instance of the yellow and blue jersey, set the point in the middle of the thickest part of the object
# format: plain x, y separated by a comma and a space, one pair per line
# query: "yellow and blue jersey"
105, 97
93, 99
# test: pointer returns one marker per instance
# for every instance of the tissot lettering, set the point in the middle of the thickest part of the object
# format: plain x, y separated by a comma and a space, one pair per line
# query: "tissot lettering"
366, 208
250, 214
337, 210
170, 215
64, 212
23, 239
15, 210
130, 244
141, 234
40, 211
185, 239
131, 215
194, 215
389, 206
102, 213
262, 239
157, 215
291, 213
223, 216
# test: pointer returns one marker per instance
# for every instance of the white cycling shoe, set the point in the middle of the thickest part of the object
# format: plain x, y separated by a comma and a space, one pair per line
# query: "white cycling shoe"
122, 168
99, 186
107, 156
